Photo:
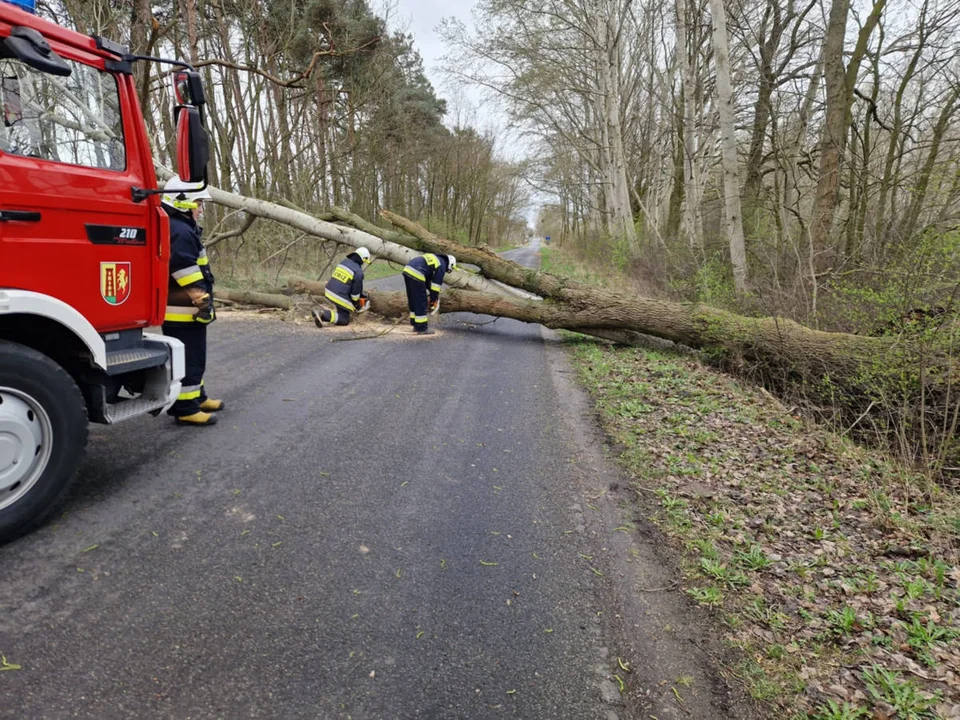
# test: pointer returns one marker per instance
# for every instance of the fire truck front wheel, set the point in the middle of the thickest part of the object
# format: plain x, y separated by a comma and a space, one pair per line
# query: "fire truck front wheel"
43, 432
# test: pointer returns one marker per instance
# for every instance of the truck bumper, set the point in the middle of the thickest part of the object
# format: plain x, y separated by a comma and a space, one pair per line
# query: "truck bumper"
158, 383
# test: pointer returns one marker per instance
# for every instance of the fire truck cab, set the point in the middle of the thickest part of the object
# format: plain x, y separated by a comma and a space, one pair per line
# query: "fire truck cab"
84, 249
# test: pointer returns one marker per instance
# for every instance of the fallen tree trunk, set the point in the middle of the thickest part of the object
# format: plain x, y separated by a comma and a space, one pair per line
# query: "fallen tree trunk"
773, 341
350, 237
781, 344
394, 305
247, 297
574, 306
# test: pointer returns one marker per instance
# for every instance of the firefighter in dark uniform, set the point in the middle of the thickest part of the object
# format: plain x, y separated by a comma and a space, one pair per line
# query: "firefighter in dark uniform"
190, 299
345, 290
423, 278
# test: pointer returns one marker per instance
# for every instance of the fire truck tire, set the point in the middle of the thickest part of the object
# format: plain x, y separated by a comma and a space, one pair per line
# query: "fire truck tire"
43, 433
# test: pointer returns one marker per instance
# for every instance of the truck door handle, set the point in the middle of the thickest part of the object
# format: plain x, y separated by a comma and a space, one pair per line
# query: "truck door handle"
19, 215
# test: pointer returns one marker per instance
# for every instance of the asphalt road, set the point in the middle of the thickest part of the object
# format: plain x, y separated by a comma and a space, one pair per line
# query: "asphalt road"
391, 528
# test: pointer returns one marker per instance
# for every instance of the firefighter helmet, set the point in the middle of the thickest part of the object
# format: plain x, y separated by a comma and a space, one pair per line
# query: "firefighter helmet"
184, 196
451, 262
364, 255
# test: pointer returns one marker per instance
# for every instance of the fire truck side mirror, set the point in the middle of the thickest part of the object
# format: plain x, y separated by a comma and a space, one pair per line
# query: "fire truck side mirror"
193, 146
29, 46
188, 89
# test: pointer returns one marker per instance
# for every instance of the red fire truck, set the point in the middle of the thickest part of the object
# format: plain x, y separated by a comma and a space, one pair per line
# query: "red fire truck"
84, 247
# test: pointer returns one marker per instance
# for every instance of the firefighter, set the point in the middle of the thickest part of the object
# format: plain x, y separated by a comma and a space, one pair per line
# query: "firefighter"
345, 290
190, 301
423, 277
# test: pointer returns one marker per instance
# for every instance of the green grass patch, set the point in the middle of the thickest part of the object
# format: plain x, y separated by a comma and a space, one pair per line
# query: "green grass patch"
821, 557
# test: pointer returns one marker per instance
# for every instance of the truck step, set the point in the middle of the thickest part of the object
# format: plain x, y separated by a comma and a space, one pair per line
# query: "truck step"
120, 362
126, 409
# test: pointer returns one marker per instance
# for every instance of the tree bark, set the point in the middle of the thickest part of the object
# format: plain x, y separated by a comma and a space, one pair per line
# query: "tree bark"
839, 82
604, 313
692, 224
778, 343
728, 148
247, 297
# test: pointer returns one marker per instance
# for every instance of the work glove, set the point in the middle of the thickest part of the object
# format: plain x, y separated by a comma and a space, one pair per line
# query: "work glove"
205, 315
204, 304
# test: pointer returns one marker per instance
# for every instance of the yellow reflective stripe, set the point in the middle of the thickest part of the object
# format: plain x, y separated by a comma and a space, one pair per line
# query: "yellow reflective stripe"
420, 318
414, 273
435, 287
184, 272
203, 260
342, 302
179, 313
191, 392
412, 315
333, 316
343, 274
189, 270
432, 260
190, 279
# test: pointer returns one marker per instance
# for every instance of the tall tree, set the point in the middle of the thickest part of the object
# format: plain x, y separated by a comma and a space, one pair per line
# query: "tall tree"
840, 83
728, 146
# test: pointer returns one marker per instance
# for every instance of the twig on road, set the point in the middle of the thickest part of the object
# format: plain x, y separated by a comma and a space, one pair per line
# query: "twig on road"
476, 325
671, 586
368, 336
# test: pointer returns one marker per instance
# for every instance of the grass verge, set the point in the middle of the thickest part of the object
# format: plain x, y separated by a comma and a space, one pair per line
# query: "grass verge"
834, 571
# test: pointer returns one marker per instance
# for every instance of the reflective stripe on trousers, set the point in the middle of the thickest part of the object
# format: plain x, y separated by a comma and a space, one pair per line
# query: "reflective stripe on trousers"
341, 301
189, 392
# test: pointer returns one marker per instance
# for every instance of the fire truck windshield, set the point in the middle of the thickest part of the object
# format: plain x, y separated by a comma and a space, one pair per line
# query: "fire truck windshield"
74, 120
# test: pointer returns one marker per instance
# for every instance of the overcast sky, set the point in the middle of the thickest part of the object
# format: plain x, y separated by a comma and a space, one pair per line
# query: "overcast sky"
421, 18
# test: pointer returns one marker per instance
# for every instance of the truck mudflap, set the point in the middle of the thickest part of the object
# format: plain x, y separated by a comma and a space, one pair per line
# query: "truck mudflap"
160, 385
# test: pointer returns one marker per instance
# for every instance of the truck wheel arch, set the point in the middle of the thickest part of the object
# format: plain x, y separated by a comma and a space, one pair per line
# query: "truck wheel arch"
26, 303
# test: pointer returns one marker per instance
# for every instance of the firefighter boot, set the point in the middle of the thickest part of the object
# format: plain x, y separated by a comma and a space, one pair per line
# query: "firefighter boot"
423, 330
323, 316
198, 418
211, 406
